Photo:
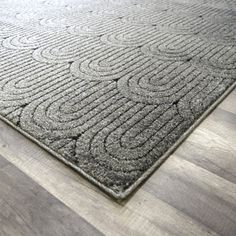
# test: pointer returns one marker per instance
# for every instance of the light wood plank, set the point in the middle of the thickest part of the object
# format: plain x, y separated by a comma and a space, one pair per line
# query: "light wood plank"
213, 145
27, 209
229, 103
203, 196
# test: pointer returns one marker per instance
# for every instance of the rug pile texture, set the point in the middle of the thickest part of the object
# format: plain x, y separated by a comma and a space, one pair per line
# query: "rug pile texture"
111, 87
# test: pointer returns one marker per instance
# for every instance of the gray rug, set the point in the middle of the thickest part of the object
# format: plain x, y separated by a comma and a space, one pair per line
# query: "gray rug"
111, 87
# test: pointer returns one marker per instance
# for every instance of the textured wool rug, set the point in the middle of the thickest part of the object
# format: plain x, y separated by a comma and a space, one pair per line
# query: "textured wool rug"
111, 87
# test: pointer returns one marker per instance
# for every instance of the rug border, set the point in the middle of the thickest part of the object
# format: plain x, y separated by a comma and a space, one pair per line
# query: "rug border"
123, 195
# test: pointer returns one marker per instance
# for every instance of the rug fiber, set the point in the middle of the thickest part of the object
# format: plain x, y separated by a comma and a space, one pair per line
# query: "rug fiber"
110, 87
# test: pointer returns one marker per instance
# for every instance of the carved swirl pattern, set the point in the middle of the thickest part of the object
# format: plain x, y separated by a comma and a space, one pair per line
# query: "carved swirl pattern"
111, 85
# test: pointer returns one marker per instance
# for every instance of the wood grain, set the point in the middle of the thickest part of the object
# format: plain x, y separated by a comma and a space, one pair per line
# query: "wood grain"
192, 193
27, 209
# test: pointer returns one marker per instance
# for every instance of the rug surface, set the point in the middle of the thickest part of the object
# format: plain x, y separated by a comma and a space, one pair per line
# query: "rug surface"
110, 87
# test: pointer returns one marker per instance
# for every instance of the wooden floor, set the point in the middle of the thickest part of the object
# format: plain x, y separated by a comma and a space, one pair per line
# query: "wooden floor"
192, 193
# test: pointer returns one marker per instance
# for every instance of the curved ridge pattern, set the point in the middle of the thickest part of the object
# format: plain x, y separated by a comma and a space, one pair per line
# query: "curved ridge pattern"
110, 85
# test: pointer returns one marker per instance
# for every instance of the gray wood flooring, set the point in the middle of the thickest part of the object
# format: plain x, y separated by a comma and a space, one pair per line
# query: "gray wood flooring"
28, 209
192, 194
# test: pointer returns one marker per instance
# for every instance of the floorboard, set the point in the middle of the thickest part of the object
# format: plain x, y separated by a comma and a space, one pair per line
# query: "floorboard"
27, 209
